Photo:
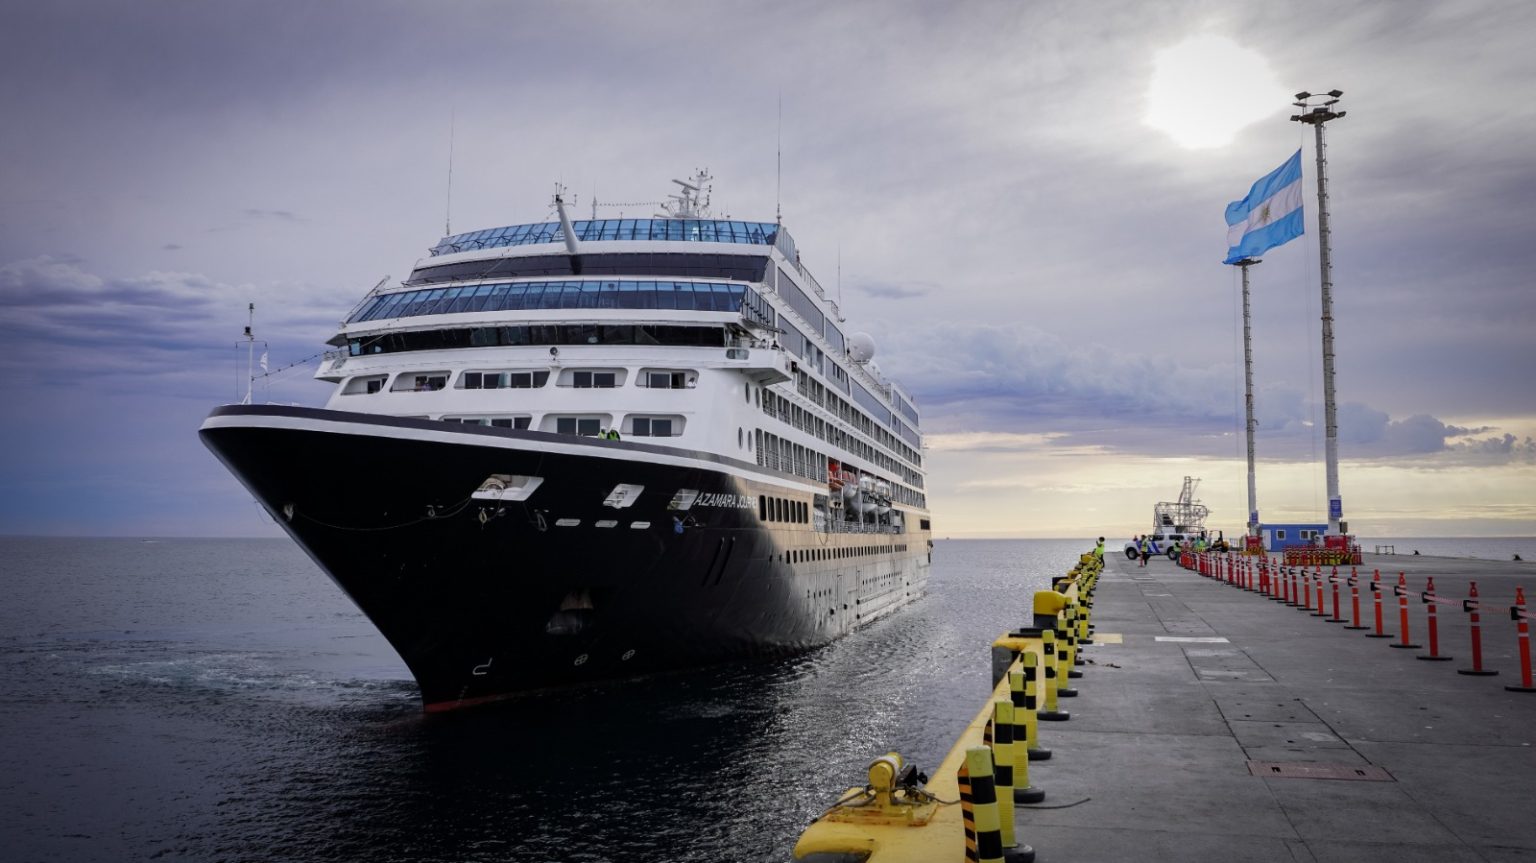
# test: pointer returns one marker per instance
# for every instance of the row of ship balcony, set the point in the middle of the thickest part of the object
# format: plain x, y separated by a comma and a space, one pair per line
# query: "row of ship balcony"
493, 379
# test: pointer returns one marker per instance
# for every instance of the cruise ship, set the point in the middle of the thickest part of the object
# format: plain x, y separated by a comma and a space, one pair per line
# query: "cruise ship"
574, 451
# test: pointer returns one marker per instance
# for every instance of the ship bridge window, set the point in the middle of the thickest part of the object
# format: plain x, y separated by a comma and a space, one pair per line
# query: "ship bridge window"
419, 382
503, 380
595, 230
363, 384
665, 426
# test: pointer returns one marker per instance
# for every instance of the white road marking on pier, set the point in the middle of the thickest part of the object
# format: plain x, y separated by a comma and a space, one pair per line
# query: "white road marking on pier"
1190, 639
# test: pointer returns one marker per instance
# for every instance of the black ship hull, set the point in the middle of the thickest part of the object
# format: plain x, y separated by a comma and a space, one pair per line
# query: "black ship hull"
711, 560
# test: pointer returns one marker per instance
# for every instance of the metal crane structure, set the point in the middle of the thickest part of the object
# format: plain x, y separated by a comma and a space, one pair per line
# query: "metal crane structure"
1186, 515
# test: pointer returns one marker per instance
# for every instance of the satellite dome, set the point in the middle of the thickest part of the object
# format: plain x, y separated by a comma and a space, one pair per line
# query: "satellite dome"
861, 347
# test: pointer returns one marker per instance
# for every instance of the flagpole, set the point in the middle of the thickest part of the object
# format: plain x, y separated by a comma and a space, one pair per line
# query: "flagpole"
1253, 500
1316, 117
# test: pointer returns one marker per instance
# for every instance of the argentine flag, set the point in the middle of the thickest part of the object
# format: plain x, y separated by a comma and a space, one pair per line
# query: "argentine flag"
1269, 216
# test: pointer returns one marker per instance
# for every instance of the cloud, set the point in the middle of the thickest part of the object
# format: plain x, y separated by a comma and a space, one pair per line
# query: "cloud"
63, 326
1368, 433
989, 441
1504, 448
892, 291
1006, 375
278, 215
171, 247
996, 387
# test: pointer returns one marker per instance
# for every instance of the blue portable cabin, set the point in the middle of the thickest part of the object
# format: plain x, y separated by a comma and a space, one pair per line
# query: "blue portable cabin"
1278, 537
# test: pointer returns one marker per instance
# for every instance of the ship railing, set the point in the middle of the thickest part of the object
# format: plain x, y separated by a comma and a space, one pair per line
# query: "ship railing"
810, 279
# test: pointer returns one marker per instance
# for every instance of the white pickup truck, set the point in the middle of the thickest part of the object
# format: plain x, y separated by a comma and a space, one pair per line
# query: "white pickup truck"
1162, 543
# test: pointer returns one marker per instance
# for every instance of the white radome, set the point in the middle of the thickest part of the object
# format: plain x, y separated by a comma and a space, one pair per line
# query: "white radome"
861, 347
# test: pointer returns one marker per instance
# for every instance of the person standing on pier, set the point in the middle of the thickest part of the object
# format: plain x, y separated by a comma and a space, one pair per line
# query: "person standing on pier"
1098, 550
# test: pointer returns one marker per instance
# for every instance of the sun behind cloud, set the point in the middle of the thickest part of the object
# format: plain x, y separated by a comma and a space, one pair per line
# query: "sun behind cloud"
1207, 88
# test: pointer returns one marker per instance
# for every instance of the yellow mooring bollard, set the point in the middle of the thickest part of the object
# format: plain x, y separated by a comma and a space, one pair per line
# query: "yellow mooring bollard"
978, 811
1052, 711
1022, 689
1002, 744
1047, 606
1064, 652
1072, 641
1023, 791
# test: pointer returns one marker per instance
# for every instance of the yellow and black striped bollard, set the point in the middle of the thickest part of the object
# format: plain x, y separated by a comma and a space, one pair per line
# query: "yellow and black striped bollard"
1023, 791
1023, 689
1000, 738
1064, 659
1052, 711
978, 811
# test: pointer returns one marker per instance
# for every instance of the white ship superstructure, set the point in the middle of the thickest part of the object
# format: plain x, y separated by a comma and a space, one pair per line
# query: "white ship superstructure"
707, 333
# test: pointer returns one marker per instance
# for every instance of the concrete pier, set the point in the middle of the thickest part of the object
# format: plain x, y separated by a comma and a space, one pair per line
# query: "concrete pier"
1209, 715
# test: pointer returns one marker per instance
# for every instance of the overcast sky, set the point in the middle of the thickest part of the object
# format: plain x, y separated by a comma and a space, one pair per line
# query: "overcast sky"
1026, 198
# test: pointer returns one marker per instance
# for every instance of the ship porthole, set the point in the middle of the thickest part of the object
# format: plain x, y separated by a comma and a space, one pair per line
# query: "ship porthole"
628, 655
581, 659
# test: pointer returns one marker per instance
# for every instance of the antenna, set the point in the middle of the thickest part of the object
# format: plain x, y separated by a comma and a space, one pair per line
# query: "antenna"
778, 157
448, 211
839, 274
250, 353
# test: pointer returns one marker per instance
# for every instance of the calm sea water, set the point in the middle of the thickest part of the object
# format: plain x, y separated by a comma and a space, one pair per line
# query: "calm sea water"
1483, 548
221, 700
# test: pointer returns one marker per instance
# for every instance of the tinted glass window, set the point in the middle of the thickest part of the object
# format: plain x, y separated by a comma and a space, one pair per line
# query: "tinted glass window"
801, 303
553, 334
741, 268
572, 294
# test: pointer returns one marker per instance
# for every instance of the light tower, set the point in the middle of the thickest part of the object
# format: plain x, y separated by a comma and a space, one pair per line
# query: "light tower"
1316, 116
